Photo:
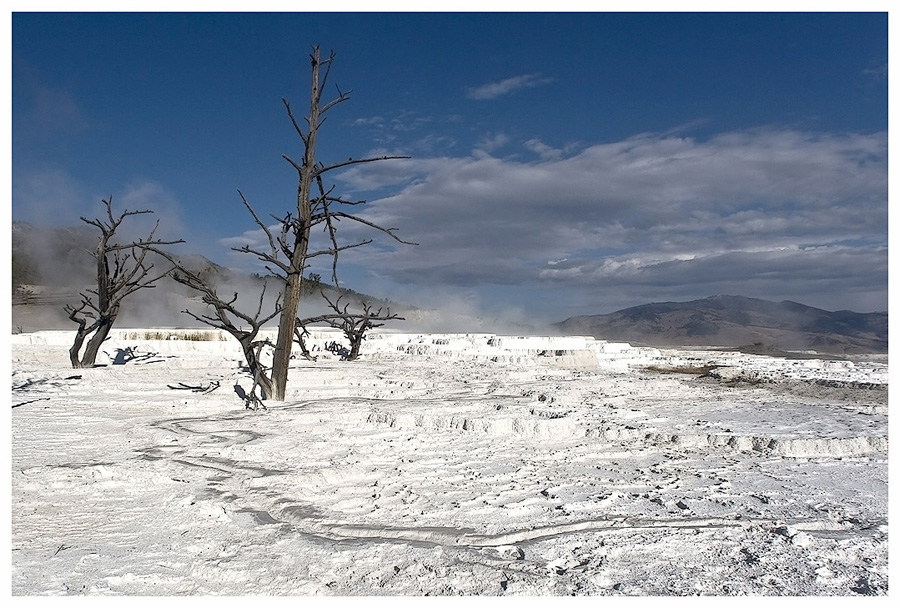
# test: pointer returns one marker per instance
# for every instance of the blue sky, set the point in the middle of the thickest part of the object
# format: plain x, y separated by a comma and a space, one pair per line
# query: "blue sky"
561, 164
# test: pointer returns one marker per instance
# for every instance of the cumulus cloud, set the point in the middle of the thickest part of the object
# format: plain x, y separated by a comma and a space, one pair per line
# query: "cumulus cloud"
761, 208
506, 86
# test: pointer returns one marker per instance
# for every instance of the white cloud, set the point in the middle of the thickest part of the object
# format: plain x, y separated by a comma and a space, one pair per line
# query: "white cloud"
494, 90
255, 239
760, 213
676, 211
879, 72
368, 121
492, 142
543, 150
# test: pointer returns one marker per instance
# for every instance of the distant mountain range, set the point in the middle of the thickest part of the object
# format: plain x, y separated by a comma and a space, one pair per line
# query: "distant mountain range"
736, 321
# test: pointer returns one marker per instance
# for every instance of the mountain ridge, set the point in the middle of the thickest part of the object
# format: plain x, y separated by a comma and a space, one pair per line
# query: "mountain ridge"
735, 321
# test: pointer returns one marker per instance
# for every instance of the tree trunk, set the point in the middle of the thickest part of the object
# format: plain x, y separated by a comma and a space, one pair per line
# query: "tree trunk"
107, 313
292, 289
283, 343
354, 348
76, 346
89, 358
253, 363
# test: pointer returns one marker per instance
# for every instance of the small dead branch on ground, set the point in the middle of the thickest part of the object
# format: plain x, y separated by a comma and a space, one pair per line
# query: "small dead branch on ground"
181, 386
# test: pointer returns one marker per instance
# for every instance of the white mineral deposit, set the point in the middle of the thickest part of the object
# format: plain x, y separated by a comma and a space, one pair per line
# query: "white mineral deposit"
446, 464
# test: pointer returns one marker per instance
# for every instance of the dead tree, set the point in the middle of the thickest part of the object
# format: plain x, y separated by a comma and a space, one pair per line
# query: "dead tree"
244, 327
355, 325
122, 269
300, 333
317, 209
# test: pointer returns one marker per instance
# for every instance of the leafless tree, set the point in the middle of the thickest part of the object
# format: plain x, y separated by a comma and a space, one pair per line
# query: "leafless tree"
288, 253
318, 208
122, 269
355, 325
243, 326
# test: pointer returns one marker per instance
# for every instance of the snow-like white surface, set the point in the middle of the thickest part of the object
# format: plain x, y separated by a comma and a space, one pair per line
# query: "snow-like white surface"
446, 464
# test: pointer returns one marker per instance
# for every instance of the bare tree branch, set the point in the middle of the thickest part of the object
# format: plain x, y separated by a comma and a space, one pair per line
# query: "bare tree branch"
358, 161
294, 122
387, 231
342, 97
272, 256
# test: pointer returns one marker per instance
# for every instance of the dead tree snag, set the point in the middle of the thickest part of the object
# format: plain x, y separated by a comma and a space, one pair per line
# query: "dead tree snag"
316, 207
355, 325
122, 269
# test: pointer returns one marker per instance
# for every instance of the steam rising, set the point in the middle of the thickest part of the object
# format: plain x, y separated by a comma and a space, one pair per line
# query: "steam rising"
60, 266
